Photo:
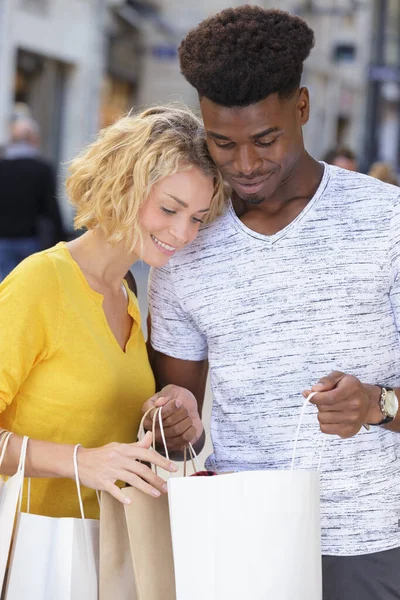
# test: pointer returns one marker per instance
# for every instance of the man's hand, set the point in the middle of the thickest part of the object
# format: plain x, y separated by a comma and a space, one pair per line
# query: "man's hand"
180, 417
345, 404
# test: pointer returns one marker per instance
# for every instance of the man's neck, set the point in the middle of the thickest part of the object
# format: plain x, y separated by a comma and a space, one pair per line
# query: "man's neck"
287, 202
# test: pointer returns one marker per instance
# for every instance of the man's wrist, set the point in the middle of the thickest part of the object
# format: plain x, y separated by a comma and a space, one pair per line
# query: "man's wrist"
374, 415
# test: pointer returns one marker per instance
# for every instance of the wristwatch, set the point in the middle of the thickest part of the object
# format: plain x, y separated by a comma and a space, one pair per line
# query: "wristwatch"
389, 405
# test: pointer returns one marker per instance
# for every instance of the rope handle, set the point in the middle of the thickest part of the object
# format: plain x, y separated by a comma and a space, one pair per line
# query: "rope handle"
296, 439
78, 484
5, 444
141, 434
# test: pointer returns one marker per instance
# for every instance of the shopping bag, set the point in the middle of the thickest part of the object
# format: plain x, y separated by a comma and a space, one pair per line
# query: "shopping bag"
53, 558
256, 534
135, 546
9, 493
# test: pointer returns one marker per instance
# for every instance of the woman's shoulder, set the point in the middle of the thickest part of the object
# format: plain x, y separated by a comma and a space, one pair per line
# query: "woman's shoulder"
36, 274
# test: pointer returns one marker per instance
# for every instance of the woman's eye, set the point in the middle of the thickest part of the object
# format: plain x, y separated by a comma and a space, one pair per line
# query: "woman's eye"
195, 220
167, 211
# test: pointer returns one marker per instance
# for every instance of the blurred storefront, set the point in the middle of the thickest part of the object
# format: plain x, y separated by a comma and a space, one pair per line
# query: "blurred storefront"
383, 120
73, 66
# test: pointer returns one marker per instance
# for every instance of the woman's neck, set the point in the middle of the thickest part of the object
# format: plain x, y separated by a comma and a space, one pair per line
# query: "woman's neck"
103, 265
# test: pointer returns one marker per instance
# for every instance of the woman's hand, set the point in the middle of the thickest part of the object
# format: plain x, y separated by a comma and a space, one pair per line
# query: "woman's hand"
100, 468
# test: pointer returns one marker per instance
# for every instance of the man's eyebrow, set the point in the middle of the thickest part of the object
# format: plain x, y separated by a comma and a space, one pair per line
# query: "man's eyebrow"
256, 136
265, 132
182, 203
217, 135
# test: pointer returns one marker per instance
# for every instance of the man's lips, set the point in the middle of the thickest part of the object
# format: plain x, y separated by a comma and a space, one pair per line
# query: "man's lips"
251, 186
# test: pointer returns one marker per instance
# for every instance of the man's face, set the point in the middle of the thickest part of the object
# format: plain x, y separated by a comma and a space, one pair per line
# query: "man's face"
256, 146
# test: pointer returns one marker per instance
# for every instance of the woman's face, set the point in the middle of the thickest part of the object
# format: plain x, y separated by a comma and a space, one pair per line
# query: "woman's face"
173, 213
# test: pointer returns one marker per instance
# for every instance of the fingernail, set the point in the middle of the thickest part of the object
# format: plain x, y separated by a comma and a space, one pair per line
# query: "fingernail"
156, 493
173, 467
178, 403
165, 487
318, 386
127, 500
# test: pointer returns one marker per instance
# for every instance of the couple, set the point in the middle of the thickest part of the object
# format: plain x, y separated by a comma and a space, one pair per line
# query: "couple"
294, 288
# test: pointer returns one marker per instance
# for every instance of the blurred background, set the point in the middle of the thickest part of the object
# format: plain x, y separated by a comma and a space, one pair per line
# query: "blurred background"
73, 66
77, 65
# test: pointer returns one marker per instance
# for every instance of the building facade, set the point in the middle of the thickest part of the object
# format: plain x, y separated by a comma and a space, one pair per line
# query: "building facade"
335, 72
72, 65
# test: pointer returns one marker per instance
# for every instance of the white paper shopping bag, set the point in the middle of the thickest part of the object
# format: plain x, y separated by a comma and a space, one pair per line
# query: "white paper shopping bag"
54, 558
257, 536
9, 494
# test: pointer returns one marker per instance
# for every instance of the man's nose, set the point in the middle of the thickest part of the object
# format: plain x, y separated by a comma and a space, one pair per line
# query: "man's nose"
247, 160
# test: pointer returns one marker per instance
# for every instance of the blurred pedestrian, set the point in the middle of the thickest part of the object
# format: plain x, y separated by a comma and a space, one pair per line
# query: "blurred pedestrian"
342, 157
383, 172
29, 213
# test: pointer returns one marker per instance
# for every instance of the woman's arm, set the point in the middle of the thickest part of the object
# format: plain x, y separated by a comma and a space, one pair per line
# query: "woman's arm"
99, 468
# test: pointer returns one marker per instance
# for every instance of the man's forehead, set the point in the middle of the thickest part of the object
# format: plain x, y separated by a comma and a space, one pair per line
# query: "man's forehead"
255, 118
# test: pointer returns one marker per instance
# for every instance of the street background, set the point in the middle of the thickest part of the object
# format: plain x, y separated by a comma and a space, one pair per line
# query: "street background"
76, 65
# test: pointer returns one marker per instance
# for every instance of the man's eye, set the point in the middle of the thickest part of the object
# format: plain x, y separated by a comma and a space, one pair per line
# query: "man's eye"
167, 211
226, 146
266, 144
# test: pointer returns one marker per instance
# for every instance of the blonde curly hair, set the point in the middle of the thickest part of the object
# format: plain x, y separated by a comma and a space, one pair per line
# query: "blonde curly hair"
111, 179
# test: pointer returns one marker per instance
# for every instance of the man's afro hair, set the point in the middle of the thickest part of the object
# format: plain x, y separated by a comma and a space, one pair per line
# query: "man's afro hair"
242, 55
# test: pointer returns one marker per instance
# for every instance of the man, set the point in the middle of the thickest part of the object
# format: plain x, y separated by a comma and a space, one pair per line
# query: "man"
296, 288
28, 207
342, 157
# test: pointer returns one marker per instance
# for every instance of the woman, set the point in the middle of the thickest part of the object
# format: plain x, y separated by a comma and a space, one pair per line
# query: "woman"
73, 361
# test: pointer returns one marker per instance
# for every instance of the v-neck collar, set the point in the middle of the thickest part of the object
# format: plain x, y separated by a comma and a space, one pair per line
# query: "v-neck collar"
275, 237
133, 306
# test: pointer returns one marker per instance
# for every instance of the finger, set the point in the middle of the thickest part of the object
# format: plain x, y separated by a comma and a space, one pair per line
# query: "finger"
180, 414
144, 472
347, 407
151, 456
135, 481
146, 441
306, 393
170, 409
178, 443
332, 418
162, 401
329, 382
330, 398
114, 491
342, 431
178, 429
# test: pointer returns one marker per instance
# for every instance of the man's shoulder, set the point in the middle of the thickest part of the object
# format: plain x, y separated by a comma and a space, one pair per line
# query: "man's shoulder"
359, 184
209, 241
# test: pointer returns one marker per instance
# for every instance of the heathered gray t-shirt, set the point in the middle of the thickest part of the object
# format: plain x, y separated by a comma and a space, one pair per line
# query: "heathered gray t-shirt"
275, 313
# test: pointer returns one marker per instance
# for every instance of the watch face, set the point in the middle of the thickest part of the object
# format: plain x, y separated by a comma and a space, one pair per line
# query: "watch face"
391, 404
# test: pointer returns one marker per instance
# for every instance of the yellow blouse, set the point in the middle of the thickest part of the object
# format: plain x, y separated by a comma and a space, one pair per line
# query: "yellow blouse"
63, 376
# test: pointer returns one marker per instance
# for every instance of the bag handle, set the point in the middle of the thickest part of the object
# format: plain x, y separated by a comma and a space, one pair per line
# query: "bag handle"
296, 439
141, 434
5, 444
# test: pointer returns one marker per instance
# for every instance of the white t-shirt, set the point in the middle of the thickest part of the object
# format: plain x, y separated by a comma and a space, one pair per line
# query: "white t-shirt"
275, 313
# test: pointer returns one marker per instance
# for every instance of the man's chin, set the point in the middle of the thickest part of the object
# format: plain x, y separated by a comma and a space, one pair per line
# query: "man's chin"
251, 198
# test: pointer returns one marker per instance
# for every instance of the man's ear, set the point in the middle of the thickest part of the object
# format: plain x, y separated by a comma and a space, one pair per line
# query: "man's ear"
303, 106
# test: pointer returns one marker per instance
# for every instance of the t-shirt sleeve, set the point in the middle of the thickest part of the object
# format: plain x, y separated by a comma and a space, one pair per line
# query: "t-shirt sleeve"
29, 322
173, 331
